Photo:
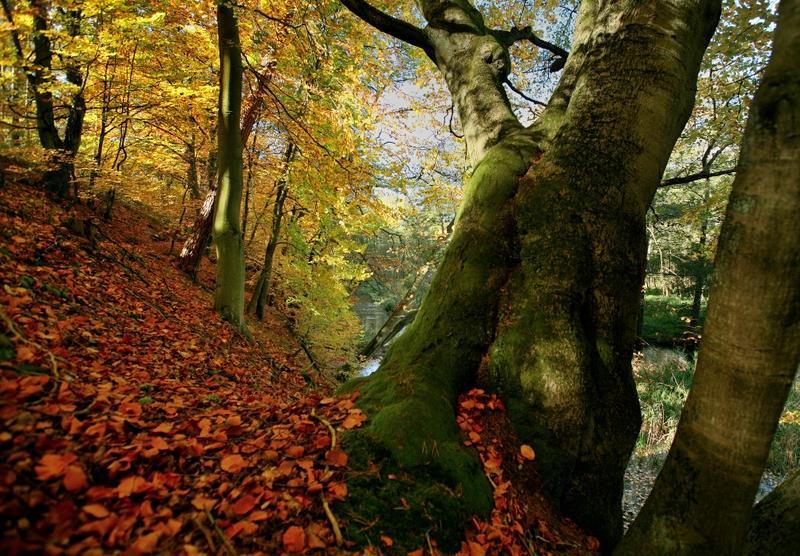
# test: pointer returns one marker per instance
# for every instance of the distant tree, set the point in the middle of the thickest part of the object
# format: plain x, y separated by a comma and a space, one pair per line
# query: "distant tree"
61, 146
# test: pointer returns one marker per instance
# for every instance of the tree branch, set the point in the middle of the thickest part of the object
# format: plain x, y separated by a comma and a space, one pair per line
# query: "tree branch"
523, 95
695, 177
507, 38
393, 26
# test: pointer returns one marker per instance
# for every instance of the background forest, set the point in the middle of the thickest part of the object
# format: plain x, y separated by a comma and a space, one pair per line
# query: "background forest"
353, 161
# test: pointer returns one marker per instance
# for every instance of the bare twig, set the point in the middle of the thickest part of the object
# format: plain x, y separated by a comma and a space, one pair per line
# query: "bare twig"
696, 177
12, 327
523, 95
226, 542
327, 423
337, 532
206, 534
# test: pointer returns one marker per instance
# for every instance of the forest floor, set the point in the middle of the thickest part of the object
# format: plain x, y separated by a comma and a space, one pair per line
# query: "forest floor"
134, 420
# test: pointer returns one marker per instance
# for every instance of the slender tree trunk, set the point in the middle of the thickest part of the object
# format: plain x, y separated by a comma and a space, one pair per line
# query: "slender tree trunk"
398, 314
700, 275
258, 301
103, 131
180, 220
192, 181
251, 158
229, 292
702, 500
122, 154
539, 287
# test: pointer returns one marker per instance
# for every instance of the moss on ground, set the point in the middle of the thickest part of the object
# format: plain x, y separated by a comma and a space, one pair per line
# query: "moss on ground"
408, 503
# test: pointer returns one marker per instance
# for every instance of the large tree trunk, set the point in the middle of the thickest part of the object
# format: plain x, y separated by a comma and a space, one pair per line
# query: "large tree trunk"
702, 500
229, 291
540, 284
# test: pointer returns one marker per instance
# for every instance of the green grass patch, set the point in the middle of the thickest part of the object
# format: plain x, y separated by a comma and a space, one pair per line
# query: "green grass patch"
666, 319
663, 380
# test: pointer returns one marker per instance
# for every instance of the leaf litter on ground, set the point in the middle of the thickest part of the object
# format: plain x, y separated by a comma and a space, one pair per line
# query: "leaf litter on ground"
135, 421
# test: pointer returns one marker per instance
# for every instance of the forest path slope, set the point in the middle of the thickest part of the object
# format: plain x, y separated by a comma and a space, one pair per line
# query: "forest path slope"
132, 417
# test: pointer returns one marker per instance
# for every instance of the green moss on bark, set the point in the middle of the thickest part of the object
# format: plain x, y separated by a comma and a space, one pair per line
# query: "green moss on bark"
410, 400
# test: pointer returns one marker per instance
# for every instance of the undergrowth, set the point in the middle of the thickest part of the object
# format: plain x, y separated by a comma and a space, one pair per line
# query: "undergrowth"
663, 380
666, 319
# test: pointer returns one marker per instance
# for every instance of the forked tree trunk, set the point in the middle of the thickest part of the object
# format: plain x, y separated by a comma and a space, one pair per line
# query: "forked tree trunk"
229, 291
702, 500
539, 287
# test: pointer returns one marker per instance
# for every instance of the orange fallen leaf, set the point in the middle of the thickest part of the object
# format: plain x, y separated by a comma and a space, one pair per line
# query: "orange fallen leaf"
233, 463
96, 510
294, 539
338, 490
243, 505
337, 458
354, 419
53, 465
527, 452
163, 428
387, 541
131, 485
202, 503
75, 479
295, 451
131, 409
146, 543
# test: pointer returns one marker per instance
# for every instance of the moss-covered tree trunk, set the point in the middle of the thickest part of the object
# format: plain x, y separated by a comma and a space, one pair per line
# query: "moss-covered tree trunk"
229, 292
702, 500
539, 287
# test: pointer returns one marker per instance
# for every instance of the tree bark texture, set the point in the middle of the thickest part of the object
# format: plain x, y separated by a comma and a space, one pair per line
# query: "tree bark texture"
702, 500
229, 291
775, 524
